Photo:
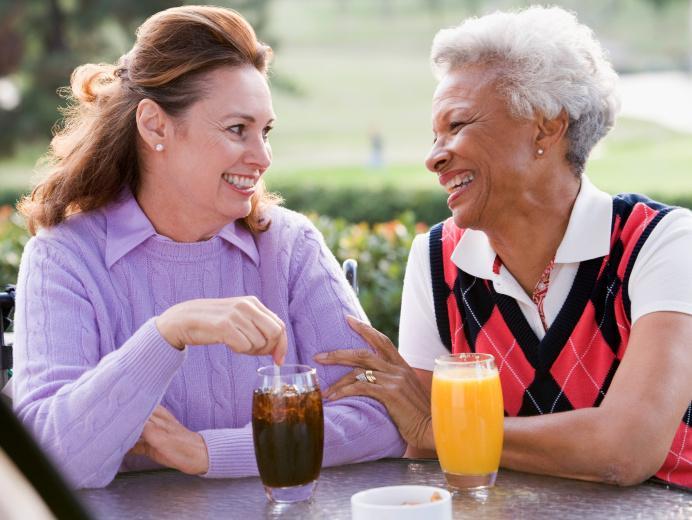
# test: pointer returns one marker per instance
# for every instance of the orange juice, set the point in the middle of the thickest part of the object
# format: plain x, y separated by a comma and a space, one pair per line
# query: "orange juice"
467, 418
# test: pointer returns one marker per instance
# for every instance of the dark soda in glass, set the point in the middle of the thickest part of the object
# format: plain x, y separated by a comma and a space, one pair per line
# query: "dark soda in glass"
288, 431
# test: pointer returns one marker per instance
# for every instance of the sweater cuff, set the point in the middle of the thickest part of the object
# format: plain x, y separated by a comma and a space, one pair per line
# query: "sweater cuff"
154, 361
231, 453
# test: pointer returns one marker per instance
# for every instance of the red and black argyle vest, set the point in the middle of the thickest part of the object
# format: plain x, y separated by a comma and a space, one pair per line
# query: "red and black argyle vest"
573, 365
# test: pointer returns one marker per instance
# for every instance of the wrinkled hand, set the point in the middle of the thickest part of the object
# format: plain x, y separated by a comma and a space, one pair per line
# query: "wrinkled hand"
167, 442
242, 323
396, 386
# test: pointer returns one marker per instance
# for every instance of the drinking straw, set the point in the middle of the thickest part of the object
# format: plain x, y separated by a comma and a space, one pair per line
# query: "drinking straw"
277, 380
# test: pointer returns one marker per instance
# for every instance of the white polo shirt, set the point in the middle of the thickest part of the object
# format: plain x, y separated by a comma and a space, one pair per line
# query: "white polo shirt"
661, 278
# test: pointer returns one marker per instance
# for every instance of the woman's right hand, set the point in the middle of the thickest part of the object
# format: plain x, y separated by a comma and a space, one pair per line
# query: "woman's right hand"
243, 323
396, 384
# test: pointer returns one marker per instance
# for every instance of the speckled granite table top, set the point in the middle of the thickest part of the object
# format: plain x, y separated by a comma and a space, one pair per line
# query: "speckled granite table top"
169, 494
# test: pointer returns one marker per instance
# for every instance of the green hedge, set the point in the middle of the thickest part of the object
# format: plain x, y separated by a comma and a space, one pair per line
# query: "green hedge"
381, 251
370, 205
365, 204
9, 197
384, 204
13, 237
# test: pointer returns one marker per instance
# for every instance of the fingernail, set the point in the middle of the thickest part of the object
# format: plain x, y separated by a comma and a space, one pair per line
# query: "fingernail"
320, 357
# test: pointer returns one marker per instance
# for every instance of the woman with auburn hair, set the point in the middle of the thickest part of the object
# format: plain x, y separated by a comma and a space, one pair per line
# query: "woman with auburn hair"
584, 299
159, 259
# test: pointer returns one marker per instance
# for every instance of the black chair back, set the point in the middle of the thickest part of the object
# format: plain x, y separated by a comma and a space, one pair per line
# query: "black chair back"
6, 312
350, 267
30, 460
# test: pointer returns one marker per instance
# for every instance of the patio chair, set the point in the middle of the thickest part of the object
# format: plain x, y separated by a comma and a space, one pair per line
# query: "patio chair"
6, 313
350, 267
24, 468
31, 486
7, 297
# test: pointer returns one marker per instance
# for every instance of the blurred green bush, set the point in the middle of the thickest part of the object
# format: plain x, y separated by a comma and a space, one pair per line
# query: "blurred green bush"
13, 238
371, 205
9, 197
380, 249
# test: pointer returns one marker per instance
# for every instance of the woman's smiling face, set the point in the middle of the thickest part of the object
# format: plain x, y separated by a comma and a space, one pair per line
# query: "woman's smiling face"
219, 149
481, 153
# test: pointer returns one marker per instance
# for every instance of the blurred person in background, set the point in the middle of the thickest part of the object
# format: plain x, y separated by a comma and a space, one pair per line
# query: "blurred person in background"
159, 259
584, 299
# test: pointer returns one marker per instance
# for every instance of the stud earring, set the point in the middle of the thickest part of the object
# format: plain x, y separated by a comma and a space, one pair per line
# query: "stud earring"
158, 147
539, 151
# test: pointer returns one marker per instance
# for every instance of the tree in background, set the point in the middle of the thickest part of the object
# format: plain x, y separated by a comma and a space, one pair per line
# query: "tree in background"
42, 41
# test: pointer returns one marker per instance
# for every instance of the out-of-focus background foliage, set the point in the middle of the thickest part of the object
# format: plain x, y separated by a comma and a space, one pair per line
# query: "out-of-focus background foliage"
352, 89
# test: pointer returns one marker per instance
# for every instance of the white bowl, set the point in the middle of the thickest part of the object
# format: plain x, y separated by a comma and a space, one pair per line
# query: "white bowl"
390, 503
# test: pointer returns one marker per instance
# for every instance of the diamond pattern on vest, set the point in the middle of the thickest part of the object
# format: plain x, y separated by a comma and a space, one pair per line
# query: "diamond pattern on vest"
582, 367
544, 396
516, 373
679, 456
474, 315
574, 364
607, 288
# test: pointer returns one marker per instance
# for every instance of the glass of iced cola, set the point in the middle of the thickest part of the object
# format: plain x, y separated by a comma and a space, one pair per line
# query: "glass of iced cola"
288, 431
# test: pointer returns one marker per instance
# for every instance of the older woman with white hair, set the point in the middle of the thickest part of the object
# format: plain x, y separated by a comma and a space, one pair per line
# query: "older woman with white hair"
584, 299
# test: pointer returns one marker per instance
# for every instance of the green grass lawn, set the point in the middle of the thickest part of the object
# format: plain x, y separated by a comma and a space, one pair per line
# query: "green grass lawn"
644, 158
357, 67
637, 156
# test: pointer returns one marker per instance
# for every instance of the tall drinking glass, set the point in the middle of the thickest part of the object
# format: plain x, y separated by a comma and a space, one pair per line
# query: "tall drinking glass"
467, 419
288, 431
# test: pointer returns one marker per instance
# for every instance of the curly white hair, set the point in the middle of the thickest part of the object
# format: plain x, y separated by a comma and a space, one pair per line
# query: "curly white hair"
547, 61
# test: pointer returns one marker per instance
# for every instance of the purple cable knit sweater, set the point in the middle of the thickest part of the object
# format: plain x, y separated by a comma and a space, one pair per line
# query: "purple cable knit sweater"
91, 365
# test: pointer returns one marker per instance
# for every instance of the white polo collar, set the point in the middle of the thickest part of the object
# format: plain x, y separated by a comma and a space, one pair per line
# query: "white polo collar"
587, 235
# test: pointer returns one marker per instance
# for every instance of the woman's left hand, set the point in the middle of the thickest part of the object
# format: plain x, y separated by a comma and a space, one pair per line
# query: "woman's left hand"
395, 383
167, 442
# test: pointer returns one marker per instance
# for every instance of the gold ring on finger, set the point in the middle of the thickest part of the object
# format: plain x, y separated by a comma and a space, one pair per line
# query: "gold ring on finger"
370, 376
362, 378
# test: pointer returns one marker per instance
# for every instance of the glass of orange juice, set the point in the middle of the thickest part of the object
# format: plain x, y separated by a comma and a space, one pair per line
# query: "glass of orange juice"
467, 419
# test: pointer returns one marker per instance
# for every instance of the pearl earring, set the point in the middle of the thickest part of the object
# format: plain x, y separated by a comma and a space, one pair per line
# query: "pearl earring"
158, 147
539, 151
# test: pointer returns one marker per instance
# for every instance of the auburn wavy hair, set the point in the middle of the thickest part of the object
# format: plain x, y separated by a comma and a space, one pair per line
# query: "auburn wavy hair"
93, 154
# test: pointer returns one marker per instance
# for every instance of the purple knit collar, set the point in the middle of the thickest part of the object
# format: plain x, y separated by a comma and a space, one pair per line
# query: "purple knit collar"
127, 227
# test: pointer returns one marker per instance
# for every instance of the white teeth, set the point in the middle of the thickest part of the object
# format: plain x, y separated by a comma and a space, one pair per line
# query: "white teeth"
458, 181
240, 181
